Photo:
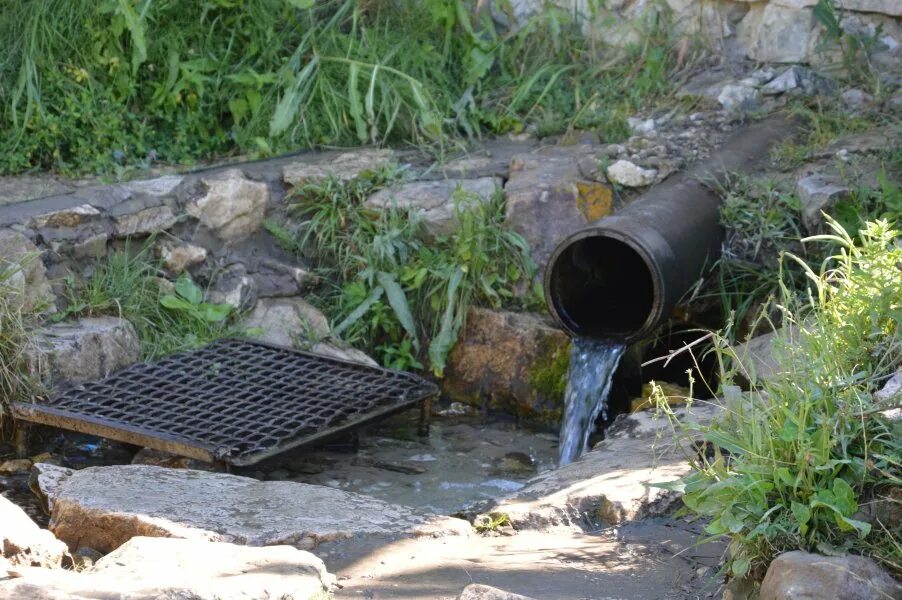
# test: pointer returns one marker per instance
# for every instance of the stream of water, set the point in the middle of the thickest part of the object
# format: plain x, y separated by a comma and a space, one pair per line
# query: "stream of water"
592, 367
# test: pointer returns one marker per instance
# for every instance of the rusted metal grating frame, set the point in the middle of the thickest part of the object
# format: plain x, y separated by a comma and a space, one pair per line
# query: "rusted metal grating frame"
237, 401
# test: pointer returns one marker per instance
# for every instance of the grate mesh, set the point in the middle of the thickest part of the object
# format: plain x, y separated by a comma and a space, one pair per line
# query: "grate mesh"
235, 400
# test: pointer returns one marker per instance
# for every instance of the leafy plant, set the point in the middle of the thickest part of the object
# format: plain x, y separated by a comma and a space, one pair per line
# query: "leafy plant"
189, 299
130, 285
796, 457
855, 46
397, 290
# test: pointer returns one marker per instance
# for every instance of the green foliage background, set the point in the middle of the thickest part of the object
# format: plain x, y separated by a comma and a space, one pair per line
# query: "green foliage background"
102, 86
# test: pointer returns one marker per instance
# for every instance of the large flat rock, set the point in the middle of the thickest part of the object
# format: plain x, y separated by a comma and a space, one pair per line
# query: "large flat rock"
104, 507
23, 543
153, 568
611, 483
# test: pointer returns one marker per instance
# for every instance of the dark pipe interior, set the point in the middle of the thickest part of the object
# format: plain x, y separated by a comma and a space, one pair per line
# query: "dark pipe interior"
601, 287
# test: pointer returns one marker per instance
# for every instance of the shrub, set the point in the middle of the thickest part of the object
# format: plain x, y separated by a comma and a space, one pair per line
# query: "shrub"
796, 457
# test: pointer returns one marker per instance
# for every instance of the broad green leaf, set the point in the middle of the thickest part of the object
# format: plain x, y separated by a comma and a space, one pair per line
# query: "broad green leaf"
290, 102
397, 299
361, 310
447, 335
175, 303
356, 106
215, 312
187, 289
740, 566
847, 524
845, 496
802, 513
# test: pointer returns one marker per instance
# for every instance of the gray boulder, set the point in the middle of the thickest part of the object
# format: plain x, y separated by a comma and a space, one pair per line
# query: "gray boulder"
233, 206
284, 321
803, 576
817, 193
28, 284
104, 507
84, 350
175, 569
433, 201
610, 484
344, 167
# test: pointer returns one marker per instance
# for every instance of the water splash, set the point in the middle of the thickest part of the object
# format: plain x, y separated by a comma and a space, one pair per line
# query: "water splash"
592, 367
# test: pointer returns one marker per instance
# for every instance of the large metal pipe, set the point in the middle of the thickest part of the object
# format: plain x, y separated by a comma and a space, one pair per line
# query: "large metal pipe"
621, 277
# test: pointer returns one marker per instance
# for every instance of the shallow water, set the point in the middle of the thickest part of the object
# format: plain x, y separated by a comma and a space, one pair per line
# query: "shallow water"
592, 367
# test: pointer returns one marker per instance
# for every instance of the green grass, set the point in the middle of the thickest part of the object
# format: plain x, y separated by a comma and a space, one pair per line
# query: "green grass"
394, 289
130, 285
110, 87
799, 454
17, 382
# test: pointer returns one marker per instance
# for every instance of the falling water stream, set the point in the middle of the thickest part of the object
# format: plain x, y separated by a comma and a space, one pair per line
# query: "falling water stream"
592, 367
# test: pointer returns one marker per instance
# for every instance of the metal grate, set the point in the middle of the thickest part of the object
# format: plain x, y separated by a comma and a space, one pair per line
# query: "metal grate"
235, 400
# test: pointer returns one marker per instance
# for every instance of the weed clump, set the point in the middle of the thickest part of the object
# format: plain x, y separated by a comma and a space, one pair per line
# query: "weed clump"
393, 288
797, 459
167, 320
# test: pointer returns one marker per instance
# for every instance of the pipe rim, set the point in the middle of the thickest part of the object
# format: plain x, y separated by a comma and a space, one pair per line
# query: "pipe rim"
636, 245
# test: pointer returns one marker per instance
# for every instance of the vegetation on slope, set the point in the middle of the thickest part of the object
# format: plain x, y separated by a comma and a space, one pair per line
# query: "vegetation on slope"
105, 86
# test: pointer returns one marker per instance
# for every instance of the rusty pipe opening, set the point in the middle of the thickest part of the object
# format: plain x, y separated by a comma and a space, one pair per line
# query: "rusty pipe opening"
621, 277
603, 285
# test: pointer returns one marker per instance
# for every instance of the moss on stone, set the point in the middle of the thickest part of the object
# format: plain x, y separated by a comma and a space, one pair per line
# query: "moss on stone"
549, 378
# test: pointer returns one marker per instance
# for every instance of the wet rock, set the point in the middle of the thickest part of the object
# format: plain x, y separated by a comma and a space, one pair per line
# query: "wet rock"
800, 575
433, 201
149, 456
84, 350
30, 277
282, 321
235, 287
548, 197
773, 33
628, 174
23, 543
344, 167
476, 591
516, 463
16, 466
608, 485
66, 217
738, 98
276, 279
151, 568
144, 222
103, 507
819, 192
514, 362
233, 206
179, 257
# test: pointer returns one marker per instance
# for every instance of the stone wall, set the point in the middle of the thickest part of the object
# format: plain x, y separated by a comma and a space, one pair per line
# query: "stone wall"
783, 31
